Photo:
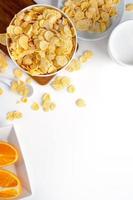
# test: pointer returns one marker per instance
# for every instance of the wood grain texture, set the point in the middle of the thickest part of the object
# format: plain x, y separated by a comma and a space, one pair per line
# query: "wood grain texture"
8, 8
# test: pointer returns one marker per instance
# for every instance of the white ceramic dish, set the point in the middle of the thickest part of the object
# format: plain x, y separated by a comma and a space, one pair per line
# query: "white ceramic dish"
97, 36
8, 134
120, 45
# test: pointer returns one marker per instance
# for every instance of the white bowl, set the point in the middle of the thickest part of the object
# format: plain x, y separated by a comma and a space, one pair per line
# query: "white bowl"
97, 36
75, 47
120, 45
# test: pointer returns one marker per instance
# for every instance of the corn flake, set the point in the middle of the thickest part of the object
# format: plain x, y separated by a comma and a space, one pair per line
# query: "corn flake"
35, 106
1, 91
52, 106
20, 88
3, 62
23, 42
60, 82
17, 73
29, 80
47, 105
80, 103
3, 39
14, 115
46, 97
86, 56
71, 89
24, 99
129, 7
74, 66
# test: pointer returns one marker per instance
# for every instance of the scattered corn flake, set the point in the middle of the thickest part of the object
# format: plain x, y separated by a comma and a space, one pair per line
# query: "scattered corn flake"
29, 80
46, 106
17, 115
80, 103
61, 82
74, 66
1, 91
61, 60
35, 106
46, 97
18, 73
3, 39
3, 62
65, 81
14, 115
20, 88
129, 7
87, 55
52, 106
71, 89
24, 99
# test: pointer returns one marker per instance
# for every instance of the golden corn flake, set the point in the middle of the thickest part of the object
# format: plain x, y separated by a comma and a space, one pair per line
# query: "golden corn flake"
65, 81
129, 7
24, 99
86, 56
71, 89
74, 66
46, 97
17, 30
3, 62
80, 103
52, 106
1, 91
37, 40
14, 115
29, 80
60, 82
17, 73
91, 15
3, 39
23, 42
20, 88
61, 60
43, 45
35, 106
47, 105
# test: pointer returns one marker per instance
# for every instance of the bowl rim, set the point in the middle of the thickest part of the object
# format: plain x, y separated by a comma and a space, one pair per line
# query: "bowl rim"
70, 21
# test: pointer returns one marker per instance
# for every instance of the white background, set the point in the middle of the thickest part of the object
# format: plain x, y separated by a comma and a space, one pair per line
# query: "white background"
74, 153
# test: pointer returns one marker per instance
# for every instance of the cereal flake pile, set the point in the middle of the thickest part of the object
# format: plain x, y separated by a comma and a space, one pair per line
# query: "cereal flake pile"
3, 63
91, 15
37, 40
59, 83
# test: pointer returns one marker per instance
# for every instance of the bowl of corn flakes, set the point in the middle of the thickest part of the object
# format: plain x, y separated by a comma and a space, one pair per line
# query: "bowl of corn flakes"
41, 40
94, 19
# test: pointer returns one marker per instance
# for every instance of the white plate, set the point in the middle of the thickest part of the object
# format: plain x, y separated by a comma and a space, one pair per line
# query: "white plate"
8, 134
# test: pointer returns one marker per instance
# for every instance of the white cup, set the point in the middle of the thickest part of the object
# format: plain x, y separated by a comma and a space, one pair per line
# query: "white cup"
120, 45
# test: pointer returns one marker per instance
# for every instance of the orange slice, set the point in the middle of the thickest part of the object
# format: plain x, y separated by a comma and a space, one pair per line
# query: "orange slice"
8, 154
10, 186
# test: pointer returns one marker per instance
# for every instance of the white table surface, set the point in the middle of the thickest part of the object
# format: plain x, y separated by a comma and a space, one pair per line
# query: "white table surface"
74, 153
